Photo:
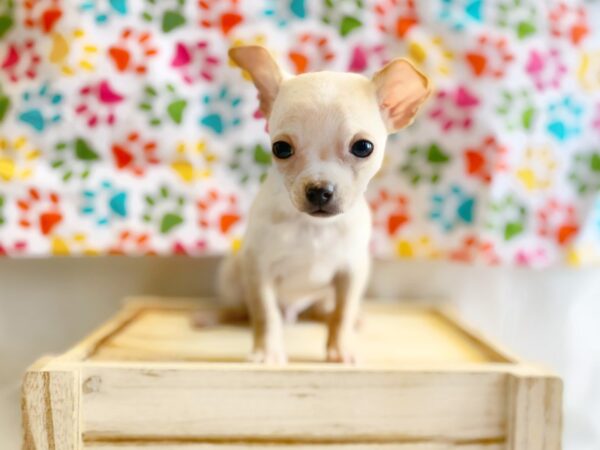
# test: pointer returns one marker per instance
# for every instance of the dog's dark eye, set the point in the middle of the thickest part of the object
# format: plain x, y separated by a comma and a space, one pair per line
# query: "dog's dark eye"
282, 150
362, 148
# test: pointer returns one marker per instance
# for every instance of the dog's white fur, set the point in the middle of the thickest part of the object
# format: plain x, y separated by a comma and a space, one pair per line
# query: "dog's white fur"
290, 260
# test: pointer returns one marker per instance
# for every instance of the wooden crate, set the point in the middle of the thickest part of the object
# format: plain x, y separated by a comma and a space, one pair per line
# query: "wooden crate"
148, 379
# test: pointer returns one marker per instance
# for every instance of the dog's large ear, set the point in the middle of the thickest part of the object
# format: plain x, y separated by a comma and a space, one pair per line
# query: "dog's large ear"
400, 90
266, 74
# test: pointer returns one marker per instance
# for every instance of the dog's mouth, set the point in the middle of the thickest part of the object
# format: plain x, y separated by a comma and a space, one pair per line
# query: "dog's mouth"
321, 212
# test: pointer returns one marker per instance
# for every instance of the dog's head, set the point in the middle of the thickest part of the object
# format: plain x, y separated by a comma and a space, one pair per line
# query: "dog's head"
328, 129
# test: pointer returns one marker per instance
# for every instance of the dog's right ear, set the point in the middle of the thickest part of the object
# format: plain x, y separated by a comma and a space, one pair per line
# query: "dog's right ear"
266, 74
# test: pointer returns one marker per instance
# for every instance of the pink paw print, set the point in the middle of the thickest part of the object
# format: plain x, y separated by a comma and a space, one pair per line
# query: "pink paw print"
130, 243
194, 62
13, 247
485, 159
473, 249
531, 257
97, 103
491, 57
557, 221
21, 60
133, 51
569, 21
454, 108
40, 210
546, 68
596, 118
390, 212
195, 247
135, 154
365, 57
42, 14
221, 14
396, 17
311, 52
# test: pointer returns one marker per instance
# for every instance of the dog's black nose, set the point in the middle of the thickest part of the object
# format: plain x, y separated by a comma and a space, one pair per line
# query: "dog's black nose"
319, 195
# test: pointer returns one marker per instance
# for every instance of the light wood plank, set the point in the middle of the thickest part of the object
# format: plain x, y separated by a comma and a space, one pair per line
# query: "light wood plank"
242, 446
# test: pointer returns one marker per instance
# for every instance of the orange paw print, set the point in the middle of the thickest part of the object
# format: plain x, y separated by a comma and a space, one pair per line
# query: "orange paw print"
221, 14
135, 154
219, 211
487, 158
569, 22
311, 52
41, 14
72, 52
396, 17
40, 210
132, 243
474, 249
390, 211
490, 58
17, 158
557, 221
132, 52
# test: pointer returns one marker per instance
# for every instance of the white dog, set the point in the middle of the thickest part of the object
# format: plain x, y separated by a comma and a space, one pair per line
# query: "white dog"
307, 240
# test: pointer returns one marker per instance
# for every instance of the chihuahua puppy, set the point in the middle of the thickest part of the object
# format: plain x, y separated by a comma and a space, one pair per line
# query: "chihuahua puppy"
307, 240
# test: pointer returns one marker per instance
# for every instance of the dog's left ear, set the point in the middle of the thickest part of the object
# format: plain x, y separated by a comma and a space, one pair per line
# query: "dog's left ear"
400, 90
266, 74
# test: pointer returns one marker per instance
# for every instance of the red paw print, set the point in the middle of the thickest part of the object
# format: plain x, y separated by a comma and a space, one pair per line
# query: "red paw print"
390, 211
569, 21
454, 108
491, 57
487, 158
546, 68
396, 17
311, 52
40, 210
219, 211
367, 57
221, 14
135, 154
473, 249
42, 14
13, 248
132, 243
132, 52
97, 103
194, 62
20, 60
557, 221
193, 248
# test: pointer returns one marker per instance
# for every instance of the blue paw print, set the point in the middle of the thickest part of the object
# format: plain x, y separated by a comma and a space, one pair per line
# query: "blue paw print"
452, 208
103, 9
458, 13
222, 111
284, 12
564, 118
104, 204
41, 108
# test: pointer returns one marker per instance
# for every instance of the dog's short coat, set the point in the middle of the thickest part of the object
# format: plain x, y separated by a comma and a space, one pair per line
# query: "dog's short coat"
307, 241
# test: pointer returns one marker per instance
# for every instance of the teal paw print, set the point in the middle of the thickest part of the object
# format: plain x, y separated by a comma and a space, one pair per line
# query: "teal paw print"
453, 208
7, 16
164, 210
343, 14
425, 164
251, 163
222, 111
4, 105
170, 13
164, 105
585, 172
283, 12
517, 110
105, 204
457, 14
103, 10
518, 15
564, 118
41, 108
74, 158
508, 217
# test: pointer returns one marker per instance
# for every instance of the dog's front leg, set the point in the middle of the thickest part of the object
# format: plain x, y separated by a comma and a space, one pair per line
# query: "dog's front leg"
266, 318
349, 288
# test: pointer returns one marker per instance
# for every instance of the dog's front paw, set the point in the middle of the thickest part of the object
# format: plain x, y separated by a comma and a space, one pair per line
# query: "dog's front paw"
341, 354
270, 356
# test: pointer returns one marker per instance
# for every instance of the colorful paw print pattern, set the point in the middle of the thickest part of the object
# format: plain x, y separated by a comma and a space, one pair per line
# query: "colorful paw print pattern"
126, 129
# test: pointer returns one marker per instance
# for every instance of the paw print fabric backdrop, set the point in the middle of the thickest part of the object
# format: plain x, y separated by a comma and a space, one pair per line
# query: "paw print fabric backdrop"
124, 129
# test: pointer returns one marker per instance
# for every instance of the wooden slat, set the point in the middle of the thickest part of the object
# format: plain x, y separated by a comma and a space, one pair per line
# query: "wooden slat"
292, 446
386, 406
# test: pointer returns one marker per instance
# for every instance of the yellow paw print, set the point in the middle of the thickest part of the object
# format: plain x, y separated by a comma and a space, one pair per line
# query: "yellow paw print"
421, 247
76, 243
582, 255
536, 172
588, 71
431, 53
193, 161
73, 53
17, 158
257, 39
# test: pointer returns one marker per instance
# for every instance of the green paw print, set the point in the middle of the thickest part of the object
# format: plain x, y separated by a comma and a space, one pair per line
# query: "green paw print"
74, 159
517, 109
164, 209
507, 216
169, 12
425, 163
2, 203
164, 105
7, 16
519, 15
251, 163
585, 172
343, 14
4, 105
